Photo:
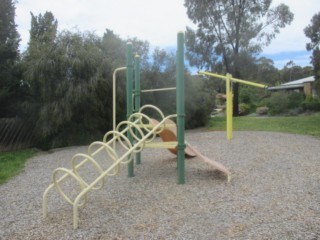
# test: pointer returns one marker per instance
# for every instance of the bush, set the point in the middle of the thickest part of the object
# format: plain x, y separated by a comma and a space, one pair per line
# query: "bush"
198, 103
70, 135
278, 103
282, 102
245, 96
311, 104
295, 111
295, 100
244, 109
262, 110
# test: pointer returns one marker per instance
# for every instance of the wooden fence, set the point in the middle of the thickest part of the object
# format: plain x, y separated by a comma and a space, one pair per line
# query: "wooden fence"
15, 134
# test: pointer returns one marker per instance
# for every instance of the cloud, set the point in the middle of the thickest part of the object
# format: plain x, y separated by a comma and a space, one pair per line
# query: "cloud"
156, 21
292, 37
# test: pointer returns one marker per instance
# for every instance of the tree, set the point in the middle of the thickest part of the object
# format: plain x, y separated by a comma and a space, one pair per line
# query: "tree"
63, 70
160, 73
229, 29
266, 72
291, 72
312, 31
9, 55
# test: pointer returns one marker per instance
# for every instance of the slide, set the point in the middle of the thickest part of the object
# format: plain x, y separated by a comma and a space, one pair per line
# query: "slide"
170, 134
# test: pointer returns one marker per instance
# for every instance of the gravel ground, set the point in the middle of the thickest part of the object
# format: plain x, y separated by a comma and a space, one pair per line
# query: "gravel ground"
274, 194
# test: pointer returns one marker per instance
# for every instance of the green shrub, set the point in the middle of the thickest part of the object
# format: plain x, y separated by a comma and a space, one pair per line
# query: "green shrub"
295, 100
311, 104
282, 102
278, 103
245, 96
295, 111
244, 108
198, 103
262, 110
69, 135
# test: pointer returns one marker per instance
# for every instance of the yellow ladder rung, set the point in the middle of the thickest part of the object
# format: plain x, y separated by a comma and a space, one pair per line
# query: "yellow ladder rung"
168, 145
150, 126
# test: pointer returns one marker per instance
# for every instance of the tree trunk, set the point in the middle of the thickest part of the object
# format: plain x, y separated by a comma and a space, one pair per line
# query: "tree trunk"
235, 106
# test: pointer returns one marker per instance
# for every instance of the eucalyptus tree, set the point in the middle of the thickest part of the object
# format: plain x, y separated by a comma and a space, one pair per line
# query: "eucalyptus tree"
9, 55
312, 31
266, 72
227, 28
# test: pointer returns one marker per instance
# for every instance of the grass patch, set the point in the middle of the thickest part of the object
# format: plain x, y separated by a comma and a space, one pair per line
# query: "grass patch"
11, 163
305, 125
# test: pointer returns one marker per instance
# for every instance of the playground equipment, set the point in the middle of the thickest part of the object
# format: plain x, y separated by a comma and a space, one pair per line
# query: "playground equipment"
169, 135
128, 138
229, 79
132, 136
137, 126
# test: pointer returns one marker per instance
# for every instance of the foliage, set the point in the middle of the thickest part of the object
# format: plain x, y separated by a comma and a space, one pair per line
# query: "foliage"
161, 73
282, 102
234, 31
311, 103
11, 163
265, 72
262, 110
199, 102
10, 93
63, 71
278, 103
66, 84
295, 100
306, 125
291, 72
245, 95
312, 31
244, 109
250, 98
70, 78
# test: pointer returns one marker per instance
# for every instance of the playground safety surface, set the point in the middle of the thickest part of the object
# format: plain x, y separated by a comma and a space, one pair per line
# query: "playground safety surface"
274, 194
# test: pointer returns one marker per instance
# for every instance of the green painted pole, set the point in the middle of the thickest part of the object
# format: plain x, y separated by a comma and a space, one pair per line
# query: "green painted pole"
129, 98
180, 108
137, 91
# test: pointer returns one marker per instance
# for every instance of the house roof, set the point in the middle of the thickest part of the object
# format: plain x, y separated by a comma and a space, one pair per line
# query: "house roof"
293, 84
300, 81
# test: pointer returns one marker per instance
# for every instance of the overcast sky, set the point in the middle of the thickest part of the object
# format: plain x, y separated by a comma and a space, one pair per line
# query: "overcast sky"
158, 21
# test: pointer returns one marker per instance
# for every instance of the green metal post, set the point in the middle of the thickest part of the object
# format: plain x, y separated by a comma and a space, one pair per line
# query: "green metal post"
129, 98
137, 91
180, 108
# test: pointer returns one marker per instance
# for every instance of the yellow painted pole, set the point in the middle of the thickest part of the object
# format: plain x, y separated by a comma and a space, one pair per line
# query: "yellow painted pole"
233, 79
229, 79
229, 106
114, 111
